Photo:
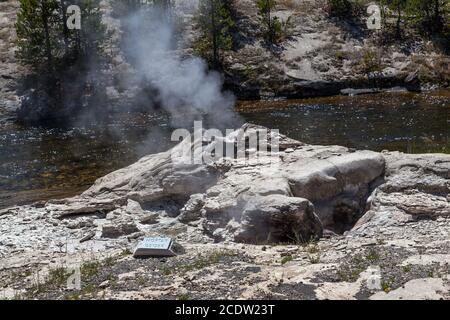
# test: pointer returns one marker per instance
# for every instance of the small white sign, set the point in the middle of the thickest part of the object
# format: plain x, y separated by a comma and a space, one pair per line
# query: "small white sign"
154, 247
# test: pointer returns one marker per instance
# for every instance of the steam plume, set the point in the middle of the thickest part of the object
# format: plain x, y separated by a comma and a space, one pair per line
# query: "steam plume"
183, 86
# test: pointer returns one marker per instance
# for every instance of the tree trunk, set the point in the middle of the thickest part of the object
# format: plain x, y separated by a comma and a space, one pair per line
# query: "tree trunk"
428, 27
65, 29
48, 49
214, 35
269, 22
437, 17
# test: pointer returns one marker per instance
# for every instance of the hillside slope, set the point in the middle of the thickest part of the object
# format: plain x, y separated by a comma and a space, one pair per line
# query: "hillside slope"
319, 56
322, 55
10, 71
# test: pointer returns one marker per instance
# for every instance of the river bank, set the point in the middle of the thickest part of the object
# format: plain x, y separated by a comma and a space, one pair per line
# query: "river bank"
40, 163
354, 203
377, 225
321, 57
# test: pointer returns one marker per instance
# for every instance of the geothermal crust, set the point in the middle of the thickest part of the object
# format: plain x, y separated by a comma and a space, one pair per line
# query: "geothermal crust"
320, 219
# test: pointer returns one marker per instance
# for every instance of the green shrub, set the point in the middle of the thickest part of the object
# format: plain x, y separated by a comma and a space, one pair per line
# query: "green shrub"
370, 62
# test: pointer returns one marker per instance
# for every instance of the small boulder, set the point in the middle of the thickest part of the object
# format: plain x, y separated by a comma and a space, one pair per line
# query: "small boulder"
278, 218
151, 218
116, 231
192, 210
134, 208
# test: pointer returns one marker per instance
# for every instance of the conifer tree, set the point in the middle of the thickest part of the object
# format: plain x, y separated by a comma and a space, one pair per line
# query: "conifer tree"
397, 6
66, 63
429, 14
216, 26
38, 41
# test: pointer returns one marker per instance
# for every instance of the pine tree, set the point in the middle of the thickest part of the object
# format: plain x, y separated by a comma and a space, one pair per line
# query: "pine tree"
429, 14
43, 35
271, 25
37, 40
397, 6
340, 8
66, 62
216, 26
89, 41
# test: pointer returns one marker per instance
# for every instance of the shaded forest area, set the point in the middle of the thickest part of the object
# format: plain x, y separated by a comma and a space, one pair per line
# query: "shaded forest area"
69, 67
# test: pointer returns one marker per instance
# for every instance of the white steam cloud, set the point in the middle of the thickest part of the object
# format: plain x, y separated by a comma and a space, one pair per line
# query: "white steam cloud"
182, 86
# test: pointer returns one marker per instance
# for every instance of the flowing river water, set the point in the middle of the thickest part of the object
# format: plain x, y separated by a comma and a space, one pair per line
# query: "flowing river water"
39, 163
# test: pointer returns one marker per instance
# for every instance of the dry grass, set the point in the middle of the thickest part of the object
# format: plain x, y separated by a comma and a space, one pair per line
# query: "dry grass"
303, 6
432, 70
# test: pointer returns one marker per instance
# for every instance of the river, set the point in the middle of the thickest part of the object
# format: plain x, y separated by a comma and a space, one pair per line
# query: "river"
40, 163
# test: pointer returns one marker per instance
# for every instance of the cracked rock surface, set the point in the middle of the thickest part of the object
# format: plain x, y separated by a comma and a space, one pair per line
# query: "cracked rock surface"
300, 222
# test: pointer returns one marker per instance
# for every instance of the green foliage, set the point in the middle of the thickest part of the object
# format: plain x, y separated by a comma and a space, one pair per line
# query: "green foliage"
273, 27
286, 259
37, 33
91, 269
397, 6
44, 41
429, 15
92, 35
370, 62
201, 262
216, 25
58, 276
386, 286
373, 256
65, 62
346, 9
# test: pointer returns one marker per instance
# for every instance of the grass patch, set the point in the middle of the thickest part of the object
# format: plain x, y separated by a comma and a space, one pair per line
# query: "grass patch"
350, 271
201, 262
407, 268
373, 256
386, 286
55, 283
184, 296
313, 252
286, 259
91, 269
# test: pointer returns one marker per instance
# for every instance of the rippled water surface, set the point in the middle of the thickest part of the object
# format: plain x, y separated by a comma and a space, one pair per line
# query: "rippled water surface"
41, 163
414, 123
